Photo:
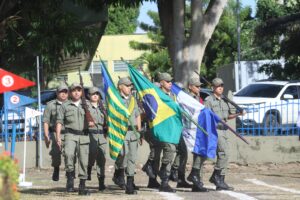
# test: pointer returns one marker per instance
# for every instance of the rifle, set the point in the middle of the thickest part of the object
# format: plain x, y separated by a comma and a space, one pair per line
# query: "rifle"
88, 115
225, 98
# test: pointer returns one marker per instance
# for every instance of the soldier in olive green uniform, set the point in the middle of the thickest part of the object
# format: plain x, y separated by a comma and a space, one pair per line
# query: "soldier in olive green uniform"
217, 104
71, 115
127, 157
196, 174
49, 120
97, 139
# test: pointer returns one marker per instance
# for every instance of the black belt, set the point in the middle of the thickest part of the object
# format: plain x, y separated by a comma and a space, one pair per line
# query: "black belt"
222, 127
52, 130
76, 132
96, 131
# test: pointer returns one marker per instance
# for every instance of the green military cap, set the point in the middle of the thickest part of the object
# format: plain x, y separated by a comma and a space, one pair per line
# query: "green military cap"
61, 87
75, 85
124, 81
217, 82
195, 81
164, 77
93, 90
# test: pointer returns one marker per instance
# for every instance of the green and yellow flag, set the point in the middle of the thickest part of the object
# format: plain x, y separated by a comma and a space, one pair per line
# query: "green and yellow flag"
163, 113
117, 115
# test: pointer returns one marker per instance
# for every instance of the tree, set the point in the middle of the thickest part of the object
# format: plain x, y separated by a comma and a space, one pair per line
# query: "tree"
122, 20
278, 34
156, 55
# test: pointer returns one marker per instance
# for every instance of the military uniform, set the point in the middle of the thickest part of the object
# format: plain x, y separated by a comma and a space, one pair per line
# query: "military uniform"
49, 117
97, 141
72, 116
128, 155
223, 110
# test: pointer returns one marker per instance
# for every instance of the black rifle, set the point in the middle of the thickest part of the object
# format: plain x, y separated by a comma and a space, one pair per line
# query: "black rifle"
88, 115
239, 109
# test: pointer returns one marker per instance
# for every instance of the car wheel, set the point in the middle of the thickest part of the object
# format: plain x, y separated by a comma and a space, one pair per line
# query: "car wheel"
271, 124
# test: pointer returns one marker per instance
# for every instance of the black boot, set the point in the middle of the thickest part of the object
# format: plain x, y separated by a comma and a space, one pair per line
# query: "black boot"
134, 186
226, 187
218, 180
70, 182
82, 190
118, 178
101, 183
181, 183
153, 183
149, 169
164, 186
55, 175
197, 184
89, 172
129, 186
174, 175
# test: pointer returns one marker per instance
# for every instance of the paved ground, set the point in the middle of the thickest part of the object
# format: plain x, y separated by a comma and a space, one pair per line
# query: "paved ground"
266, 182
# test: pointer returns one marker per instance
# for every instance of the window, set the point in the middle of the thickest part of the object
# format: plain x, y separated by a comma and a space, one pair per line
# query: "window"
260, 90
95, 67
292, 90
120, 66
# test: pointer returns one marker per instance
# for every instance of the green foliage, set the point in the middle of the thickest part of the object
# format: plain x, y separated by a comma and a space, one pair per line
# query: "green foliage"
278, 35
156, 55
122, 20
9, 171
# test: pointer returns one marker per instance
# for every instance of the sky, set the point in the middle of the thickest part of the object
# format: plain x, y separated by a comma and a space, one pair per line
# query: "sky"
143, 17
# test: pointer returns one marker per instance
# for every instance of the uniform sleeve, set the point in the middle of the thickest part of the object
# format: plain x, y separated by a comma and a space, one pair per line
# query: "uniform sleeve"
207, 102
136, 109
60, 115
47, 114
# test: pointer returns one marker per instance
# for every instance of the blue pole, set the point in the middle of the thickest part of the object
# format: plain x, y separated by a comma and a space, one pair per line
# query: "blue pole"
13, 142
6, 120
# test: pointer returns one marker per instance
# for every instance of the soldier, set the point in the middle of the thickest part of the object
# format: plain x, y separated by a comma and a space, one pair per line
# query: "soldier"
97, 138
217, 104
49, 120
168, 149
197, 170
127, 157
71, 115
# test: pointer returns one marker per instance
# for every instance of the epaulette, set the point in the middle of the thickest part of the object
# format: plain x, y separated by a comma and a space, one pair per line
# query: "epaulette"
52, 101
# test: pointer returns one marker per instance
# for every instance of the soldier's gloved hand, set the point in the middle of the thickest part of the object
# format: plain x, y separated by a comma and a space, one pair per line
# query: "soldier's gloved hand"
47, 141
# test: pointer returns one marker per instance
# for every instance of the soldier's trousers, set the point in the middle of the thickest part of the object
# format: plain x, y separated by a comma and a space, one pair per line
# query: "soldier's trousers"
55, 152
80, 144
198, 162
155, 151
222, 152
97, 153
168, 150
181, 156
127, 157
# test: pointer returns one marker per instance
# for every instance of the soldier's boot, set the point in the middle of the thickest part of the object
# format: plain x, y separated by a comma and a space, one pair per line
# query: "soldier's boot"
195, 179
55, 175
153, 183
134, 186
118, 178
224, 185
101, 183
149, 169
164, 186
181, 183
82, 190
70, 182
129, 186
216, 179
174, 175
89, 172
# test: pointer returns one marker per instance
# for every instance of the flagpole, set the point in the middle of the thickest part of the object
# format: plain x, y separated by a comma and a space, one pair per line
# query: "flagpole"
40, 118
5, 121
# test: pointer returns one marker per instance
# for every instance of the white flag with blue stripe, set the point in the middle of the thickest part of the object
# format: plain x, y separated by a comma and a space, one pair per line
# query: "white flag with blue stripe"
196, 141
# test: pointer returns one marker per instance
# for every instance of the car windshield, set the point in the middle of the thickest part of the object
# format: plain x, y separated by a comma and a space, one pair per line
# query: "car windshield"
260, 90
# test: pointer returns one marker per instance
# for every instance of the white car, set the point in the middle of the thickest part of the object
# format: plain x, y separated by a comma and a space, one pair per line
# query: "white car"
270, 105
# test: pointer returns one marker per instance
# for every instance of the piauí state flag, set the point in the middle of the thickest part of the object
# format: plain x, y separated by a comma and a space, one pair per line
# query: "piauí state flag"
163, 113
14, 100
196, 141
10, 81
117, 115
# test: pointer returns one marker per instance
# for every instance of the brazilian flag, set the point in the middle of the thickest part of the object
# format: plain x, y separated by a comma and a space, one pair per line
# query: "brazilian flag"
117, 115
163, 113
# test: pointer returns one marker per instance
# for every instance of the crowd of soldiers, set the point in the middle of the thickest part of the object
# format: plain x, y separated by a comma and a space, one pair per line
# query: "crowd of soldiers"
75, 138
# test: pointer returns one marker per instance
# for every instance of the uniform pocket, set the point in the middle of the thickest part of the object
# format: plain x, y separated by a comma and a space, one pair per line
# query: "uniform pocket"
70, 116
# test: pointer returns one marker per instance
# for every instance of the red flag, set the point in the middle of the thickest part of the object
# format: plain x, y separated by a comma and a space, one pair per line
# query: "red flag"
10, 81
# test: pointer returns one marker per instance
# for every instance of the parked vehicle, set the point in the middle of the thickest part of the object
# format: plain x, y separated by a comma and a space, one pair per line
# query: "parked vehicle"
270, 105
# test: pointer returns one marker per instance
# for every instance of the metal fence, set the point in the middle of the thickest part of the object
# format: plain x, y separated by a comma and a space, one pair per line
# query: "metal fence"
272, 119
